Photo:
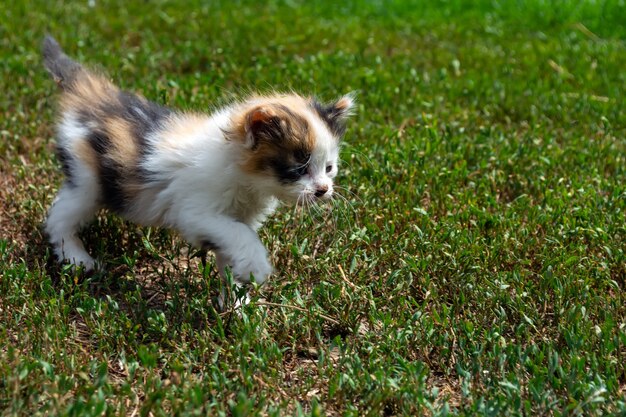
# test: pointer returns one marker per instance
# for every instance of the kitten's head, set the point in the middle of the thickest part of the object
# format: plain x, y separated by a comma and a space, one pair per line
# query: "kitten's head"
291, 144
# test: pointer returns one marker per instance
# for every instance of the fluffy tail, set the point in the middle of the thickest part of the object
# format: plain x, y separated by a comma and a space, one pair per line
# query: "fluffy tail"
62, 68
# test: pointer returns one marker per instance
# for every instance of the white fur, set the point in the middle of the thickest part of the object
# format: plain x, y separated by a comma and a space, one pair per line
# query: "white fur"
73, 207
325, 154
70, 130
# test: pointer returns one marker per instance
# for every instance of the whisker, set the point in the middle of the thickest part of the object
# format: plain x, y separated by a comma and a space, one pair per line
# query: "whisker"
352, 193
306, 207
334, 213
357, 153
297, 206
341, 204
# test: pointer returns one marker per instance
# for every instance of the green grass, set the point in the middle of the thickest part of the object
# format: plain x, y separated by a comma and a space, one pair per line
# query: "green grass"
476, 266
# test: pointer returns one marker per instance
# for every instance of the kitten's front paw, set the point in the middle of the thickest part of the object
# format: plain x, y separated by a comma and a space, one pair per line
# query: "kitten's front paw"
232, 297
84, 261
259, 268
89, 264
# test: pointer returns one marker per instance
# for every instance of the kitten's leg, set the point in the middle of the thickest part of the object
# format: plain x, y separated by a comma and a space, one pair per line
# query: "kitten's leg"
228, 295
234, 242
73, 206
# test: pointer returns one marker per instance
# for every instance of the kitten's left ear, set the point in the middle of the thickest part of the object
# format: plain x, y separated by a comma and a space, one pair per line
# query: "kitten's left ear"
336, 114
262, 123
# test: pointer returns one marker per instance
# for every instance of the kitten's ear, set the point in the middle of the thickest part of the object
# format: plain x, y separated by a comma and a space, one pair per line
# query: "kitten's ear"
344, 107
336, 114
263, 123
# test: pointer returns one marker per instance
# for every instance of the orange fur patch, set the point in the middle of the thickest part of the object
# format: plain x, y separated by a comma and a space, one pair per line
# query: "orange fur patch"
83, 151
179, 130
123, 142
88, 89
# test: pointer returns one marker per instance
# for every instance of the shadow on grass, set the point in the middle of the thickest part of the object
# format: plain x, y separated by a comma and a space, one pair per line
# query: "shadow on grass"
146, 276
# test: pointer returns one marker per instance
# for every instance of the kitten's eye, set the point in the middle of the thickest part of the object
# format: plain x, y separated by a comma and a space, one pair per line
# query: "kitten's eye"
329, 168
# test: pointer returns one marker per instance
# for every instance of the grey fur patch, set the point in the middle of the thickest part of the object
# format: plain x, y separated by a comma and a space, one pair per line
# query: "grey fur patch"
62, 68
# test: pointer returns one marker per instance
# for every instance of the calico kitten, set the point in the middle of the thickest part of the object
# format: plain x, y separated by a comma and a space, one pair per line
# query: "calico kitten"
212, 177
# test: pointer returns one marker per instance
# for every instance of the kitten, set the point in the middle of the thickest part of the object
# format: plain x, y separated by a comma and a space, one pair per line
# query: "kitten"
212, 177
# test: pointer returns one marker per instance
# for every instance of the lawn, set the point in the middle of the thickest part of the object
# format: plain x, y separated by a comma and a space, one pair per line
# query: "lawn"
474, 264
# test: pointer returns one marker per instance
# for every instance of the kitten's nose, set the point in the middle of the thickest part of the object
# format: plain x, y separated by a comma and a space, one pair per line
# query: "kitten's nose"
321, 190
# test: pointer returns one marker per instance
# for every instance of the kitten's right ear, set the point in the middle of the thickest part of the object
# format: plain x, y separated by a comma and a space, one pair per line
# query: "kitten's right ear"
262, 124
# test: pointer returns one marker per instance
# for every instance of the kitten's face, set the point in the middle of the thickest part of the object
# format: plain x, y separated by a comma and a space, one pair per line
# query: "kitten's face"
292, 145
307, 175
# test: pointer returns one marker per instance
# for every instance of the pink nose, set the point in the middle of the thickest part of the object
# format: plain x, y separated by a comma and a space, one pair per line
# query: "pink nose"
321, 191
